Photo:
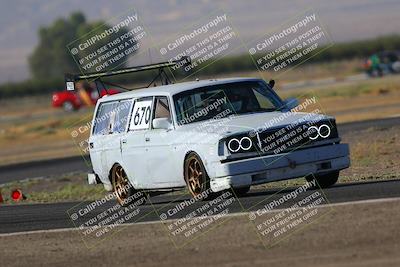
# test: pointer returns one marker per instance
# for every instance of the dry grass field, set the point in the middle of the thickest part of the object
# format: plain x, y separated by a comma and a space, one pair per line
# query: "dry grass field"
30, 129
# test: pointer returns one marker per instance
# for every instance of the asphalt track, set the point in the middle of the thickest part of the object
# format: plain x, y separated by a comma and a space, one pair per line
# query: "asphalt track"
56, 167
31, 217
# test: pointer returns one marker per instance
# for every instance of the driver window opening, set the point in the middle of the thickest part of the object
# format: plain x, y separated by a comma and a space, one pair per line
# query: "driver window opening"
162, 108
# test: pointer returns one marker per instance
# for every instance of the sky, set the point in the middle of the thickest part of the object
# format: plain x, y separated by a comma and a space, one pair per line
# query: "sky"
347, 20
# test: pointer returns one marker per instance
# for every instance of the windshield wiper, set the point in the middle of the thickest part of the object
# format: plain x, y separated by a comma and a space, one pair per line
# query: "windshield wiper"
260, 111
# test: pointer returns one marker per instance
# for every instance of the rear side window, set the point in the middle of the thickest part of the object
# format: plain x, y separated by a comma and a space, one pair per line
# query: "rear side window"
112, 117
121, 116
102, 120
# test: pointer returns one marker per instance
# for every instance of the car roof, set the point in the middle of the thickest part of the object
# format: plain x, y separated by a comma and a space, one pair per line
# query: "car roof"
172, 89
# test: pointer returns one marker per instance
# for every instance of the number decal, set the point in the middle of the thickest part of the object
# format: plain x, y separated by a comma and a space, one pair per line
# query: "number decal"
141, 115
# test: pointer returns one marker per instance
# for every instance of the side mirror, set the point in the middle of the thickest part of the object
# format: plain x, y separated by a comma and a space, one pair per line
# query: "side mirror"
162, 123
291, 103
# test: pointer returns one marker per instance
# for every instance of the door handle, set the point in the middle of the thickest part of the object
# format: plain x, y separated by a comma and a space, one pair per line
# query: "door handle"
147, 139
123, 141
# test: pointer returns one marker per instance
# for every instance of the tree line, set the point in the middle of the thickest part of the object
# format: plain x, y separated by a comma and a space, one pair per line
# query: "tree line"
51, 58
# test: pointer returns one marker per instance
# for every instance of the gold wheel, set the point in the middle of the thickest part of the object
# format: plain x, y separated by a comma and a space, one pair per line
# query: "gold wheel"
195, 175
121, 184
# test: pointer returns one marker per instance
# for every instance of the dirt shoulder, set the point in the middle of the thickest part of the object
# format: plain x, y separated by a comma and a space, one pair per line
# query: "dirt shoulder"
350, 235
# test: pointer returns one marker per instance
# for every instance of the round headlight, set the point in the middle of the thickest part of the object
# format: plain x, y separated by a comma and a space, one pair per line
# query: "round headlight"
234, 145
246, 143
324, 131
311, 130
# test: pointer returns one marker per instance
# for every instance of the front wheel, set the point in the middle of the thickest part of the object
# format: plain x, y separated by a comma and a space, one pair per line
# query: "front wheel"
325, 180
196, 177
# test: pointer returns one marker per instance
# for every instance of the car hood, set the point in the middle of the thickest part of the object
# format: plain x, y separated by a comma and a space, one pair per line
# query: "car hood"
250, 122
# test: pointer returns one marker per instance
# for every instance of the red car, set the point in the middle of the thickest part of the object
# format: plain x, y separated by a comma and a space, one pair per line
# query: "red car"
70, 100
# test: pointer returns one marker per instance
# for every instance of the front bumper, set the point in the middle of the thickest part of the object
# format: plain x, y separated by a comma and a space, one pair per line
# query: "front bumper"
93, 179
284, 166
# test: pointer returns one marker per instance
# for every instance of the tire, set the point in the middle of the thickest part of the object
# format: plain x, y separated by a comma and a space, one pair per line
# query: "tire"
325, 180
68, 106
241, 191
123, 189
196, 177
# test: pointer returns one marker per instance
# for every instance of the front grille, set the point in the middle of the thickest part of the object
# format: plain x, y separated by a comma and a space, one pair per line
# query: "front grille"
289, 137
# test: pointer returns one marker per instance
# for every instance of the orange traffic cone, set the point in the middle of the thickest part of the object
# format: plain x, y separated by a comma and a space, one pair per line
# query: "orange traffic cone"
17, 195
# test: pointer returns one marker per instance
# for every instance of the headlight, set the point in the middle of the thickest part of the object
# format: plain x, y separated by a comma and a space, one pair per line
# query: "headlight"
322, 130
240, 144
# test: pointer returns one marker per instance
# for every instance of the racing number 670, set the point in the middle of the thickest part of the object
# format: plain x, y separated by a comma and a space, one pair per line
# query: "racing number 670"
143, 112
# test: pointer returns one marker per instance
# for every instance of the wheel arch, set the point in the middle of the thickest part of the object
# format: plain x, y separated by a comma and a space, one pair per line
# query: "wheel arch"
129, 175
198, 155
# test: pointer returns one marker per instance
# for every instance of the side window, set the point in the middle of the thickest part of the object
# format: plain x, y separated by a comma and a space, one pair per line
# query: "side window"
102, 120
121, 117
162, 108
113, 118
141, 114
263, 102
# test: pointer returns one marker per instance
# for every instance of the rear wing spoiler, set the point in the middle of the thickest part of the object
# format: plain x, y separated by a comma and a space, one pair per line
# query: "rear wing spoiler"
70, 79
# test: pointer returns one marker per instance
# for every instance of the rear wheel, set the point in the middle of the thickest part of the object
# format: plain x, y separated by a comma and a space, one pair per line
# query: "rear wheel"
196, 176
123, 189
325, 180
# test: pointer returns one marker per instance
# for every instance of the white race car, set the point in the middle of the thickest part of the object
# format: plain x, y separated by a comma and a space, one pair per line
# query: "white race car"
210, 136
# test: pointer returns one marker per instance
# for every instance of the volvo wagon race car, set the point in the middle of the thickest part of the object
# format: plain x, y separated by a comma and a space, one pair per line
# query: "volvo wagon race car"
209, 136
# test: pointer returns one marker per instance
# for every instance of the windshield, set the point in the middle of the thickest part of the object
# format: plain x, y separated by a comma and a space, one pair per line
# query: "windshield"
218, 101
